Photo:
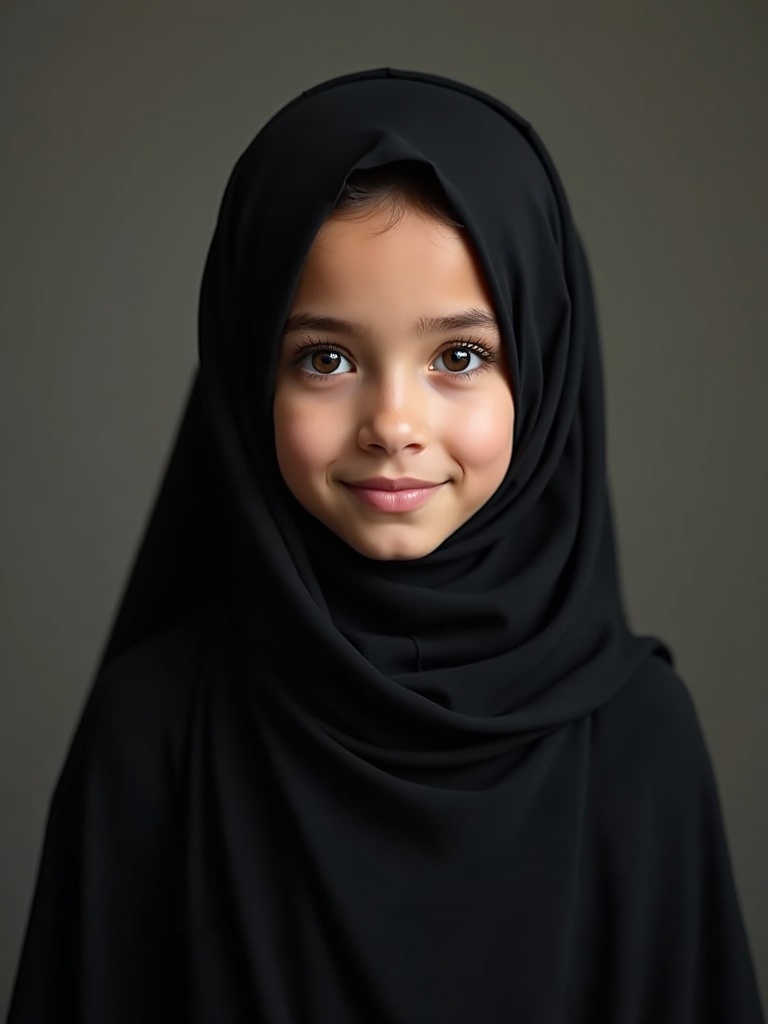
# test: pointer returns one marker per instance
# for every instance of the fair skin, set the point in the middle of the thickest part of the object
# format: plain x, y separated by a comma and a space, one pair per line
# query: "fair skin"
392, 392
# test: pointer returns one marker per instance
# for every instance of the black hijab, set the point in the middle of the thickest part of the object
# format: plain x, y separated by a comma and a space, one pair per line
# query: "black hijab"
455, 789
514, 623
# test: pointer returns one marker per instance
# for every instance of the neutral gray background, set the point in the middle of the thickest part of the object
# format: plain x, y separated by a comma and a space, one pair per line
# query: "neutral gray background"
120, 124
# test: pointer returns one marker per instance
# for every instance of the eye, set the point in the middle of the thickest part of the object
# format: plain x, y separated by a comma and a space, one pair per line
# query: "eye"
457, 358
321, 360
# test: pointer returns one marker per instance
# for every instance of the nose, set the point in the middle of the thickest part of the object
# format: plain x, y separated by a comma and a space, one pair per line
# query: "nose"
392, 417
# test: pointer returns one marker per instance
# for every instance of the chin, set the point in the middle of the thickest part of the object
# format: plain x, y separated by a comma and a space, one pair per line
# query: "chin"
391, 552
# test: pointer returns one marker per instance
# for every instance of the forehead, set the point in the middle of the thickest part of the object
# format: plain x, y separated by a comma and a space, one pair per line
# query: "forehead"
369, 261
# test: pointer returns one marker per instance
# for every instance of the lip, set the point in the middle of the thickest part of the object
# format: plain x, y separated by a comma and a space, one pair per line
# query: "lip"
402, 483
391, 498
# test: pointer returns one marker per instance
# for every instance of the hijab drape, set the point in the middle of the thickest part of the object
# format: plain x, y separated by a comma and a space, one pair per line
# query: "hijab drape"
448, 790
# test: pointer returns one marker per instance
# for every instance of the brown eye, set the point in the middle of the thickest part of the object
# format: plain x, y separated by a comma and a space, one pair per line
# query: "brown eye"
325, 362
321, 360
456, 359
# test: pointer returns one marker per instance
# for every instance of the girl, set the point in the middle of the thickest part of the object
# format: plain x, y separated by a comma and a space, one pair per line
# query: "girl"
371, 740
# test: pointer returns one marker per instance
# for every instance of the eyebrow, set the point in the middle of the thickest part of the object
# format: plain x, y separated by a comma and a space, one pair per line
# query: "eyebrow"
461, 320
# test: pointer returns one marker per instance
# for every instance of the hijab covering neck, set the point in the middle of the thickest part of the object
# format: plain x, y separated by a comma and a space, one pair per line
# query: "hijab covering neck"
448, 790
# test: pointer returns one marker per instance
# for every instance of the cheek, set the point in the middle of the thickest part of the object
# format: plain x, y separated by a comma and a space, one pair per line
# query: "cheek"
481, 438
308, 436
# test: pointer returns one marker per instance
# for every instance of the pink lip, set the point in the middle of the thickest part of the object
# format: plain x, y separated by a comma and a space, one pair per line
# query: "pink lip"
402, 483
394, 498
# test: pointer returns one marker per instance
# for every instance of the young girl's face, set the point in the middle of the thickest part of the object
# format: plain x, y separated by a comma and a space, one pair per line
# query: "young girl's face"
392, 374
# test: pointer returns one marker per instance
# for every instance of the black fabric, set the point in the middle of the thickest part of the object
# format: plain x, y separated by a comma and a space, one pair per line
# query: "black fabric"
313, 787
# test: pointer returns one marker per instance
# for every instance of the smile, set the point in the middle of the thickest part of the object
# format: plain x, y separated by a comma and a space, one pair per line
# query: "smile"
404, 500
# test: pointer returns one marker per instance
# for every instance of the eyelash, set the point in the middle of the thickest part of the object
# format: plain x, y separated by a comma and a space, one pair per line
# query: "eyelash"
301, 351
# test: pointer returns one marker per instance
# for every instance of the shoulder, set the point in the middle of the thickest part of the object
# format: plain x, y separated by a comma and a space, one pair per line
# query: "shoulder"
648, 744
133, 726
655, 706
154, 678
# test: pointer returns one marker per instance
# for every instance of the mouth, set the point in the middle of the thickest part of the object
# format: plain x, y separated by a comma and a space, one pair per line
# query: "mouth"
404, 498
402, 483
